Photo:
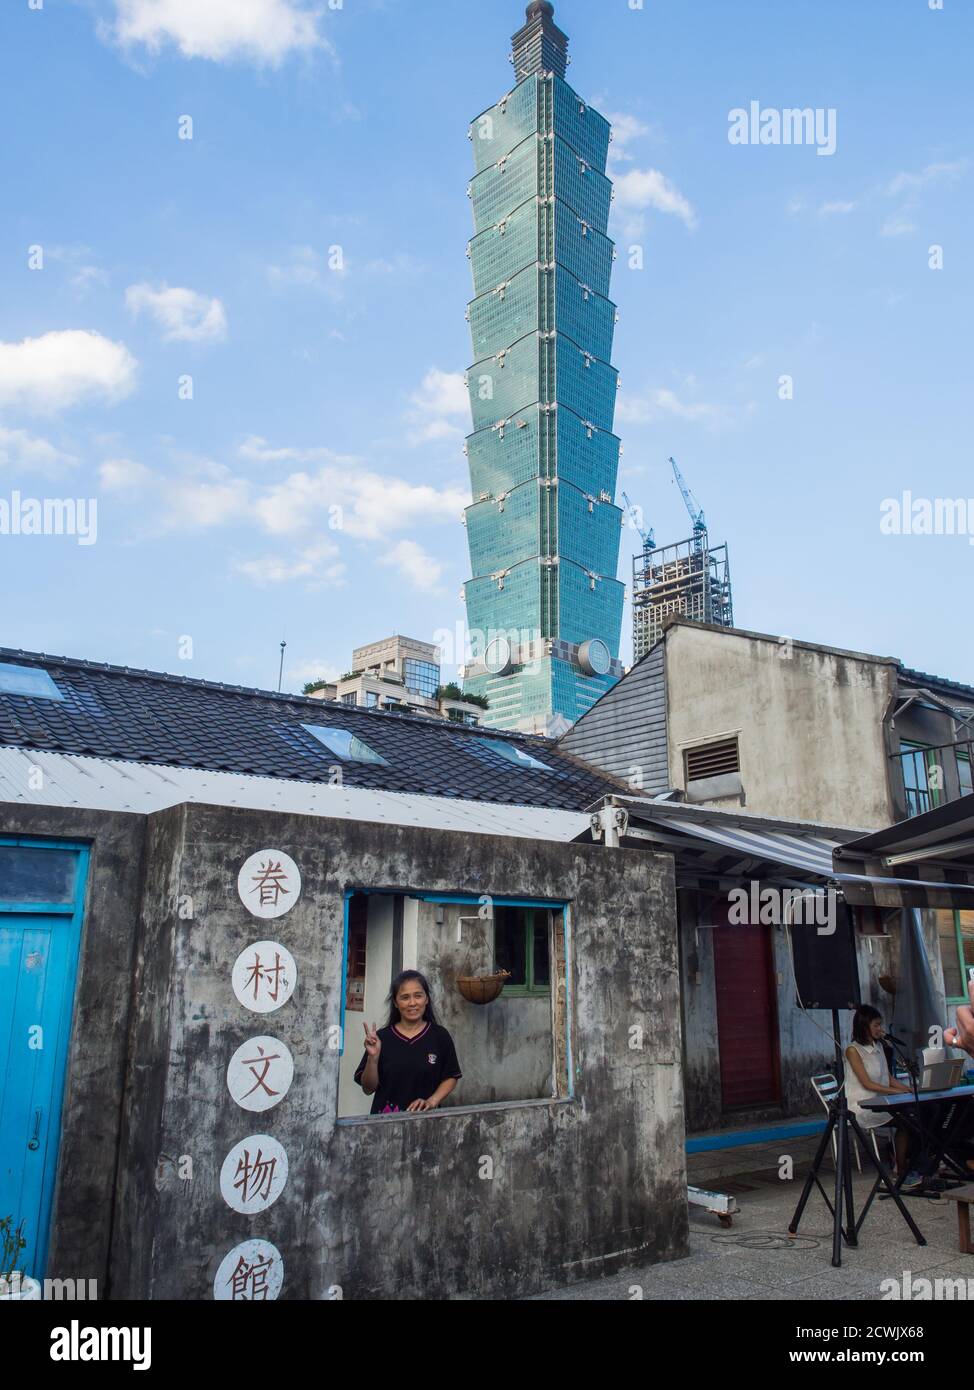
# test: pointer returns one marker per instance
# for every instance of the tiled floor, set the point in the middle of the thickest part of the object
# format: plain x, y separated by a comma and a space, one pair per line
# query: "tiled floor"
754, 1259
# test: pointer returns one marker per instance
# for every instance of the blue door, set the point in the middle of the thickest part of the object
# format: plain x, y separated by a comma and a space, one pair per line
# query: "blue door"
41, 897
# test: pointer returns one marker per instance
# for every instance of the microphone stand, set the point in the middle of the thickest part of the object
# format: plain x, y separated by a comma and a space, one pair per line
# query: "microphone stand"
913, 1072
843, 1124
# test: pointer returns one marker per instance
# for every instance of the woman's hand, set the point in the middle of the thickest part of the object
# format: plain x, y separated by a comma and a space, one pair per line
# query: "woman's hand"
418, 1105
373, 1044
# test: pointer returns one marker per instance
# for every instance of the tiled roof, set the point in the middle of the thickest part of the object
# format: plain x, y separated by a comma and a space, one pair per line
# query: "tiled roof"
148, 717
938, 682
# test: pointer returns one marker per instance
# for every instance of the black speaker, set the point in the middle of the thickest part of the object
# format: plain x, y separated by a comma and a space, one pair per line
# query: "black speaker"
826, 969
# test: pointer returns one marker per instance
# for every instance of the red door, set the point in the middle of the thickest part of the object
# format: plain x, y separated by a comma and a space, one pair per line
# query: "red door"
747, 1023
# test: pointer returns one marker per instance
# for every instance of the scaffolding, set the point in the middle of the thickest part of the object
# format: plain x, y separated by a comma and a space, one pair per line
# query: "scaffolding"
687, 577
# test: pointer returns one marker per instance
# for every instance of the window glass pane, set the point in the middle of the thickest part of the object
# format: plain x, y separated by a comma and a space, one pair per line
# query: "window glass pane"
949, 954
27, 680
509, 752
36, 875
964, 777
344, 745
542, 965
967, 940
421, 676
510, 943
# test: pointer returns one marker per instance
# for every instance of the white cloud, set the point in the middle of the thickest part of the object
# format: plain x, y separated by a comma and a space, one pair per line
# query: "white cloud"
318, 564
660, 402
123, 475
211, 496
314, 669
184, 316
838, 207
414, 564
83, 273
440, 408
306, 269
369, 505
648, 188
898, 224
933, 173
27, 452
64, 368
339, 494
258, 31
625, 129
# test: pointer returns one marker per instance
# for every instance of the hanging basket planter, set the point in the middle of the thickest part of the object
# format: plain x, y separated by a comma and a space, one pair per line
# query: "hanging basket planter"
482, 989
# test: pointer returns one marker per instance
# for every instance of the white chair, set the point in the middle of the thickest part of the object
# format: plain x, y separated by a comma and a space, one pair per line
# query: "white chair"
827, 1088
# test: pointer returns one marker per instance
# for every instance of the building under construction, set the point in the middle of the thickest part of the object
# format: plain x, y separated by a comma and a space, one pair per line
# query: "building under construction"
688, 577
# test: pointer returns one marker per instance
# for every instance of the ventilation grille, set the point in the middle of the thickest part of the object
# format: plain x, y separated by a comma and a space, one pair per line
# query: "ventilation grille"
712, 760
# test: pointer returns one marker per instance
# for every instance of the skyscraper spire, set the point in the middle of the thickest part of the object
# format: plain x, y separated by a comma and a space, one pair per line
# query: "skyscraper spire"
540, 47
544, 606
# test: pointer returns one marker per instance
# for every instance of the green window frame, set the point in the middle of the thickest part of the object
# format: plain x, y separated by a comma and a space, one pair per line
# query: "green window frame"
963, 942
534, 932
920, 794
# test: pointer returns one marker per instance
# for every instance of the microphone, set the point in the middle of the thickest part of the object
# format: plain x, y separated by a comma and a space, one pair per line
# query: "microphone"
893, 1038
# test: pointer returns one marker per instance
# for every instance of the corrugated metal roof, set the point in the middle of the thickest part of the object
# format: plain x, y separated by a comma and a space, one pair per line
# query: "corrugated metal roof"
101, 784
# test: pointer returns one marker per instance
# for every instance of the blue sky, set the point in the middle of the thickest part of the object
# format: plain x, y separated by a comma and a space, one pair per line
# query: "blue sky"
301, 258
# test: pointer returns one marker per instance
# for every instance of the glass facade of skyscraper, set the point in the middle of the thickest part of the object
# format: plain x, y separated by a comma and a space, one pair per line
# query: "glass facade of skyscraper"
544, 605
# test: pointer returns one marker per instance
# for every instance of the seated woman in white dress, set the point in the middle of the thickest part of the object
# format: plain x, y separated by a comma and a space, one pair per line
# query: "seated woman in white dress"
867, 1076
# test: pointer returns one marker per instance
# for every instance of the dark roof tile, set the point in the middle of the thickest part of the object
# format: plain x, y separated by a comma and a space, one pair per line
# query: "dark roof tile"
142, 716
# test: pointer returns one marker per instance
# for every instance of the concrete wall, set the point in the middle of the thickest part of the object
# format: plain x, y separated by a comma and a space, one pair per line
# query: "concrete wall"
401, 1206
803, 1037
505, 1048
809, 722
91, 1114
803, 1049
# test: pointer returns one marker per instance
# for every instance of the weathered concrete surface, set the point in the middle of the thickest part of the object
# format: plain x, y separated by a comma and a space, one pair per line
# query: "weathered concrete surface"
91, 1111
809, 722
504, 1047
398, 1207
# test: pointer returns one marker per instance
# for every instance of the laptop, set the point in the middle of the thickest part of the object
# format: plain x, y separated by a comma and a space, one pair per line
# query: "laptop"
942, 1076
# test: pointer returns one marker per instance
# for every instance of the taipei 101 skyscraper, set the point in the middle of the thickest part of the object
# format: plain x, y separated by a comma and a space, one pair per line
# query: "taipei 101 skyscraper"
544, 606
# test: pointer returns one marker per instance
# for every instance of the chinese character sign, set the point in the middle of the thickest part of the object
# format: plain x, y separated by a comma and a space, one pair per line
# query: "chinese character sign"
269, 883
253, 1174
250, 1273
260, 1073
264, 977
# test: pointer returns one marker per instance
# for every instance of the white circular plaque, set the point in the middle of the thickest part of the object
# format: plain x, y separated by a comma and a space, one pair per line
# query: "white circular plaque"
250, 1273
253, 1174
269, 883
264, 976
260, 1073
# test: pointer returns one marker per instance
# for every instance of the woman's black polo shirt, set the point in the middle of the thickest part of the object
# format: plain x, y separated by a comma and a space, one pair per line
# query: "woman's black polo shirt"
410, 1068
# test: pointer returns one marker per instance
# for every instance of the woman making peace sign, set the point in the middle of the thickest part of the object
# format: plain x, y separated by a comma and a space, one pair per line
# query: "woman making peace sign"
410, 1064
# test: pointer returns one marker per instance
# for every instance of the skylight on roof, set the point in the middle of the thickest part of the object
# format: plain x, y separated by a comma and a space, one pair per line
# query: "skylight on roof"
344, 745
27, 680
512, 754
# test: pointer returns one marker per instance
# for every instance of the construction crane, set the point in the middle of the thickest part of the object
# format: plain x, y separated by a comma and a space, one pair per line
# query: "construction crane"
648, 537
696, 512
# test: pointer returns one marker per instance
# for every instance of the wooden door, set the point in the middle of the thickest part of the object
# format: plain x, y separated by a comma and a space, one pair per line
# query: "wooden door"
747, 1016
